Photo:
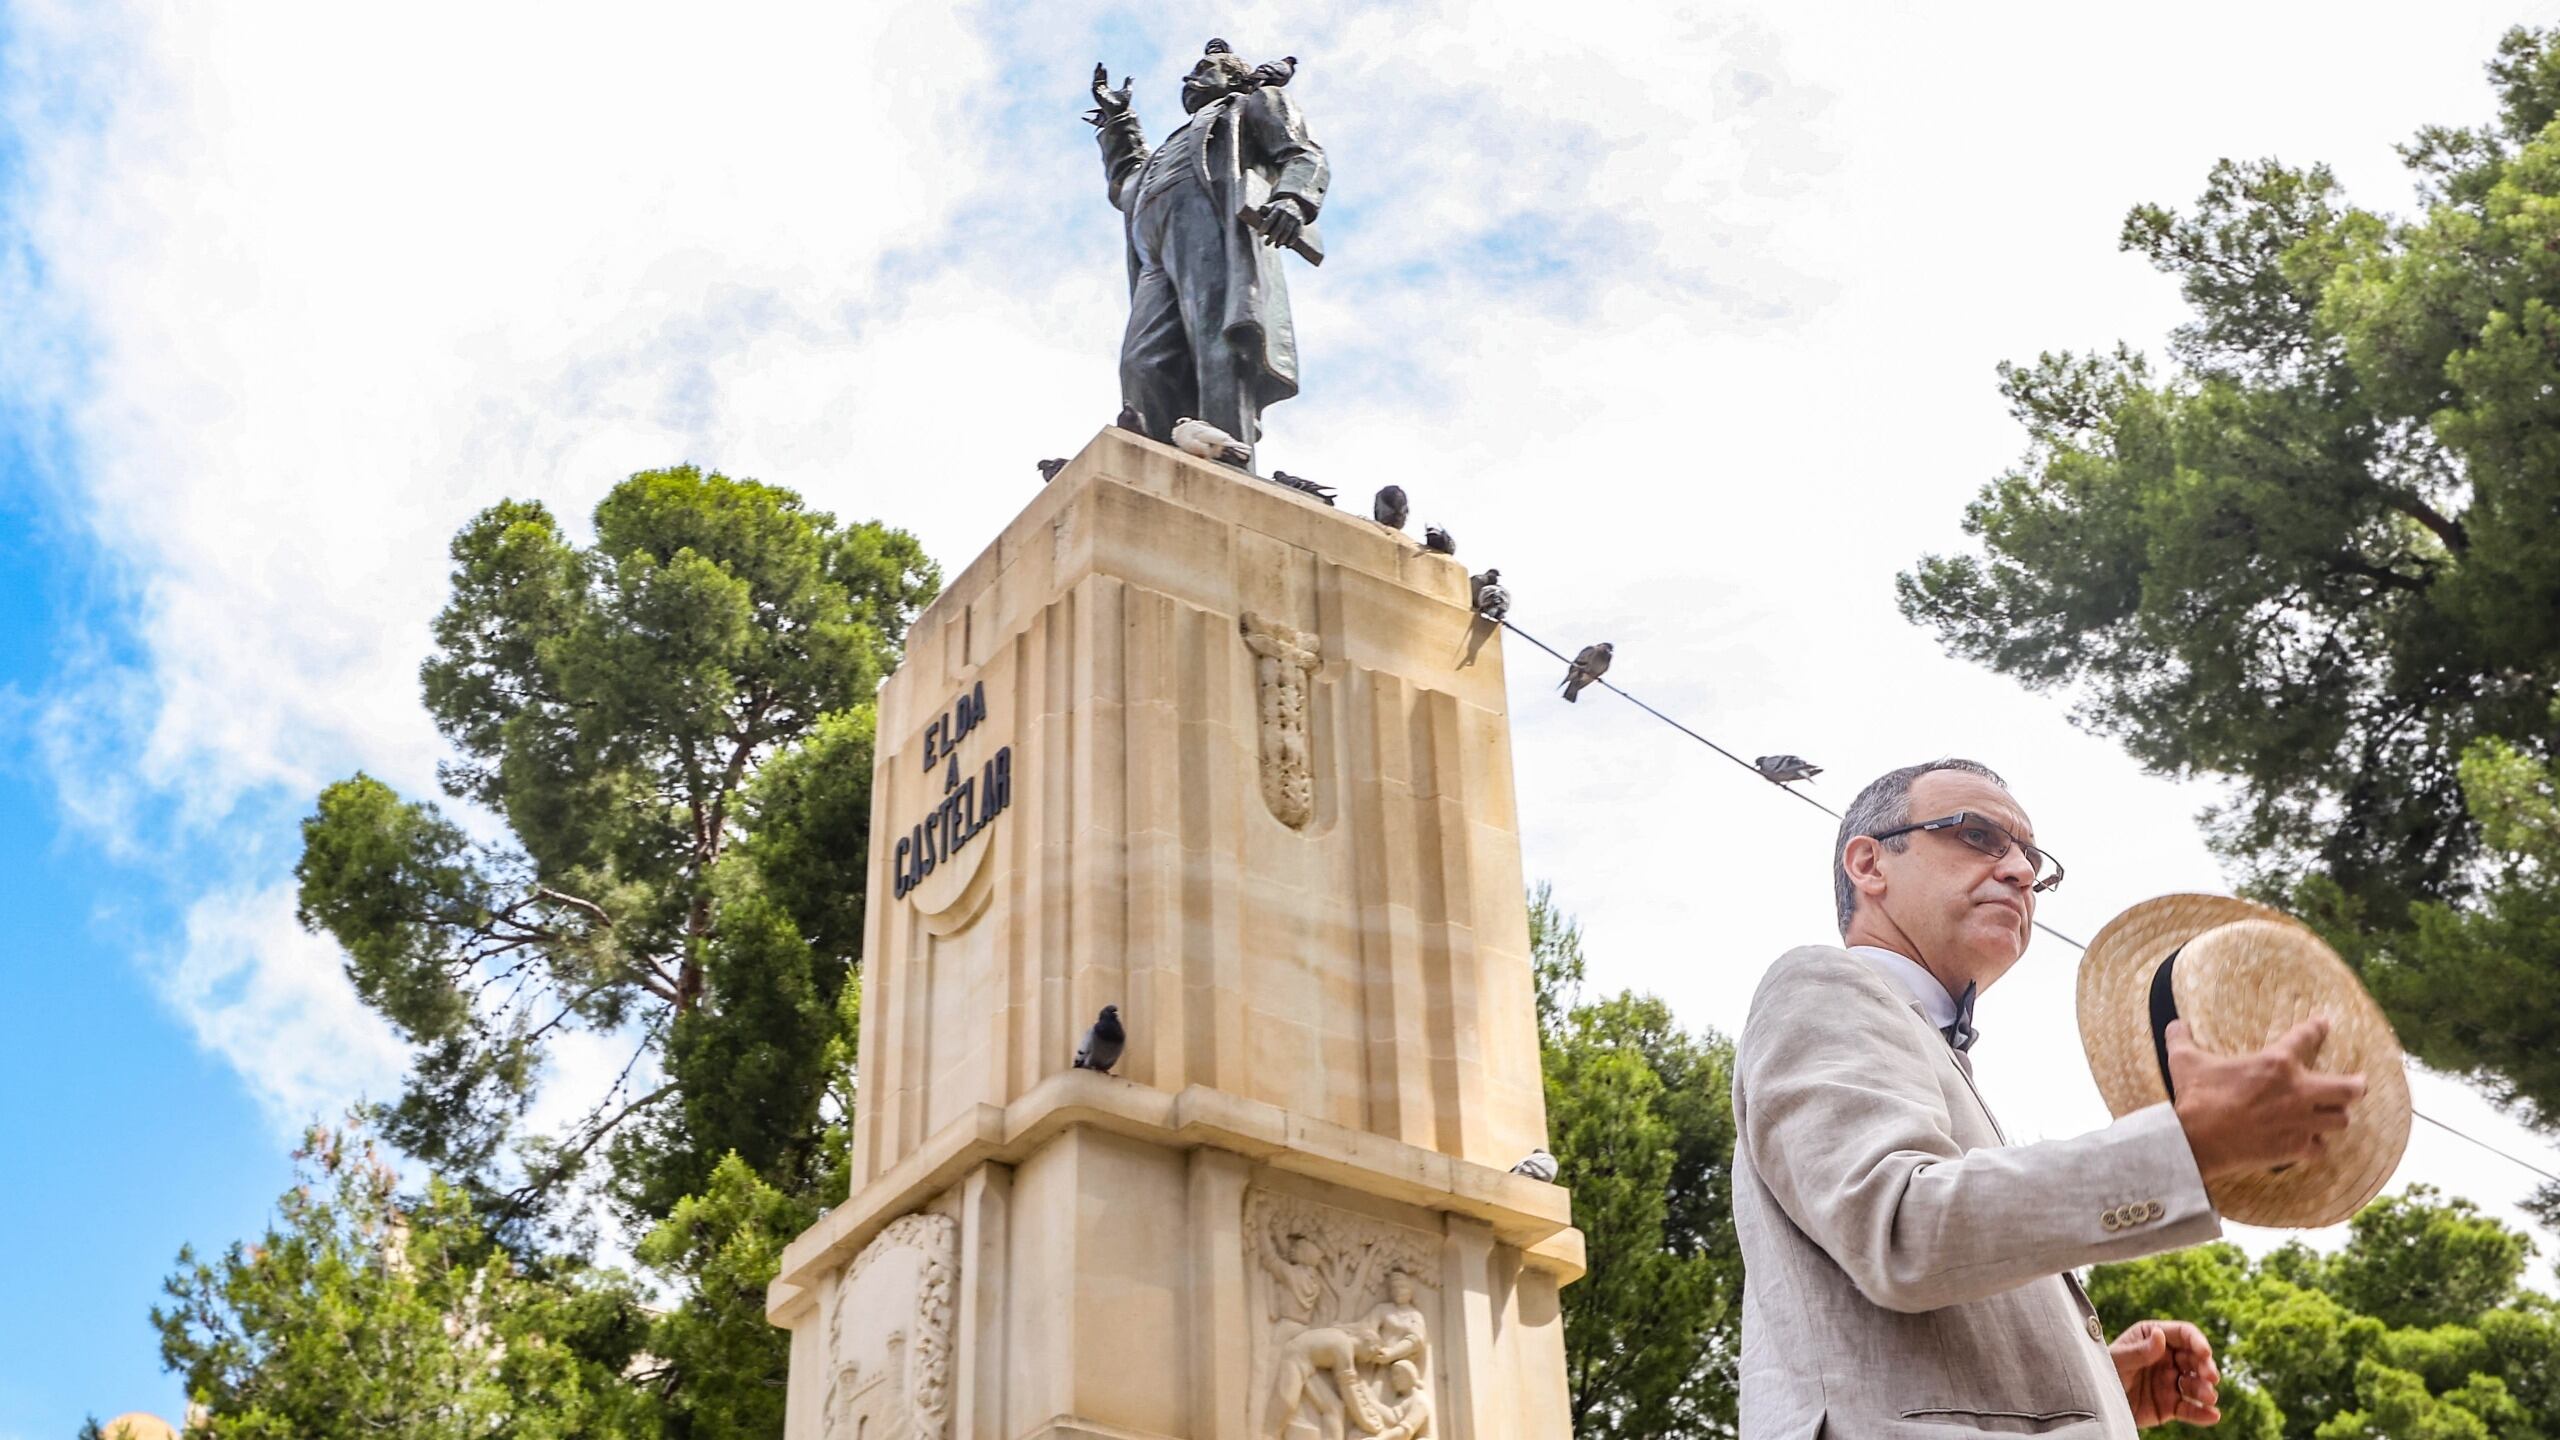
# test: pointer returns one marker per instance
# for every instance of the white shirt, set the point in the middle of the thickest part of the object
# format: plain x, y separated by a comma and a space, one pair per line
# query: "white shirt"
1913, 980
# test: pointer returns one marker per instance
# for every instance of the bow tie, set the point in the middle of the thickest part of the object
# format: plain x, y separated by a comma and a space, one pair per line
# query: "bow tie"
1961, 1034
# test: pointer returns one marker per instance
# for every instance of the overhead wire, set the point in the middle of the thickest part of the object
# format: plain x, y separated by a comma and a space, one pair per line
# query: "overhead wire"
1605, 683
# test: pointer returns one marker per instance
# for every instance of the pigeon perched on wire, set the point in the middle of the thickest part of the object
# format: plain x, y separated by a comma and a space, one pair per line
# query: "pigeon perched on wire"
1199, 437
1491, 600
1103, 1042
1132, 419
1438, 541
1783, 769
1049, 470
1537, 1165
1391, 509
1302, 484
1588, 666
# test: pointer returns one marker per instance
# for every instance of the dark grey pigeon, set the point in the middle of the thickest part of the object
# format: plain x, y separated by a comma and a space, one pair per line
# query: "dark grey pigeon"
1588, 666
1103, 1043
1049, 470
1132, 419
1391, 509
1303, 485
1438, 541
1537, 1165
1781, 769
1491, 600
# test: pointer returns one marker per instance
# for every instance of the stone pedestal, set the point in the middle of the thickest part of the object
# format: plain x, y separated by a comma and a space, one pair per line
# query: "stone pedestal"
1193, 745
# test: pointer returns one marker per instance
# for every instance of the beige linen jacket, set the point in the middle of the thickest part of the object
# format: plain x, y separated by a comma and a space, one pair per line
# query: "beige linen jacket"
1906, 1269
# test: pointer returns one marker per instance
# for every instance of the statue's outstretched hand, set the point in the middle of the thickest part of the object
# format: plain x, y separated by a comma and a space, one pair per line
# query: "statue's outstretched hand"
1108, 104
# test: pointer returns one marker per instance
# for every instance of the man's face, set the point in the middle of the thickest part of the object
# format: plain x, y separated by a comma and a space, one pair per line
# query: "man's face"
1967, 913
1207, 81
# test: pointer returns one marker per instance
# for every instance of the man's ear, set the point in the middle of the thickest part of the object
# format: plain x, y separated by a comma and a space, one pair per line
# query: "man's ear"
1863, 858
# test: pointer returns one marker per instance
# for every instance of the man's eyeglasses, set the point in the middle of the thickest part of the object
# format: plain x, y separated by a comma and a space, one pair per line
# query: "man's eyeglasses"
1989, 837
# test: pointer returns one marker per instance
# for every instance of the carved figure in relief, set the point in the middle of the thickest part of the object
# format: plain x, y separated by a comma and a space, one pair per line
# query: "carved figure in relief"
1409, 1413
1285, 659
1328, 1365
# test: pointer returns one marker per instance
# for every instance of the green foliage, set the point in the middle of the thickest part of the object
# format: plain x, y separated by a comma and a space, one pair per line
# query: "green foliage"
359, 1313
2318, 559
674, 724
1641, 1118
2415, 1328
722, 1364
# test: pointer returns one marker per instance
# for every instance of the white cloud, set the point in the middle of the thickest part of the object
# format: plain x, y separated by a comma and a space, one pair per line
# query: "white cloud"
1699, 310
273, 1002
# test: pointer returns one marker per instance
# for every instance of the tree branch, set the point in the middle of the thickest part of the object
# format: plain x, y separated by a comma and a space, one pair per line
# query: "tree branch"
2389, 578
523, 1194
2446, 528
575, 903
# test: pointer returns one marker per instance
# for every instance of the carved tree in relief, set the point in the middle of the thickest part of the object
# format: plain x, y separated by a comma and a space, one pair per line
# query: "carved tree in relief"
1284, 666
889, 1335
1346, 1347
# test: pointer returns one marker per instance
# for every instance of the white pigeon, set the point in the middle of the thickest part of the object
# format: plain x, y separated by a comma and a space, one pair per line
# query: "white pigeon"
1537, 1165
1199, 437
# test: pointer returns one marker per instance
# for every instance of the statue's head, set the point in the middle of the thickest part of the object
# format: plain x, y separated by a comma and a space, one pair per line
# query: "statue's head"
1221, 72
1305, 1251
1400, 1287
1407, 1377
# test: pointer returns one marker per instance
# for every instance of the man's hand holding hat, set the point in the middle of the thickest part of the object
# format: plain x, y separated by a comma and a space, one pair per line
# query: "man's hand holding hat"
2260, 1110
2284, 1073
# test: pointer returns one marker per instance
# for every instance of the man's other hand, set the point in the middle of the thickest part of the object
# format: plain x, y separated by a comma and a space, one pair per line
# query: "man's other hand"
2168, 1373
1282, 219
2260, 1110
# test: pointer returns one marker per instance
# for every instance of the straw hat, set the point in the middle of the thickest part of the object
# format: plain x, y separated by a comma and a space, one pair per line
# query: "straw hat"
2244, 975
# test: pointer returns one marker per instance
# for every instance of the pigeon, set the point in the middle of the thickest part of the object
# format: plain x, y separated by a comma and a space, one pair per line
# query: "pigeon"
1049, 470
1103, 1043
1438, 541
1780, 769
1199, 437
1491, 600
1588, 666
1301, 483
1132, 419
1537, 1165
1271, 75
1391, 509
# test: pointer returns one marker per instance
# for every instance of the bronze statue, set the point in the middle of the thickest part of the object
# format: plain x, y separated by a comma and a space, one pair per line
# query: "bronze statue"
1208, 213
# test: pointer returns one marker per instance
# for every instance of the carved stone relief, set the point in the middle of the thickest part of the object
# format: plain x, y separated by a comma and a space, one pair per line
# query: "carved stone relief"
1346, 1312
889, 1335
1284, 667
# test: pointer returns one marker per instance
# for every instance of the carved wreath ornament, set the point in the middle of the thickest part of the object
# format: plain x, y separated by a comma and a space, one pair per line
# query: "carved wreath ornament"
889, 1335
1284, 668
1345, 1347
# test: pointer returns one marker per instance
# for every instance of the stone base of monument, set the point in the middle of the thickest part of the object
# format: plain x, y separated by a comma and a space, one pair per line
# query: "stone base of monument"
1205, 749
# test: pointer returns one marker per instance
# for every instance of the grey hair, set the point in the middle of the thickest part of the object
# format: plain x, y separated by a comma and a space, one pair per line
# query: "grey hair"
1884, 804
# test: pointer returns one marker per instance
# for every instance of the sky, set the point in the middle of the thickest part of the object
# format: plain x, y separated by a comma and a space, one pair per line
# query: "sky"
1684, 316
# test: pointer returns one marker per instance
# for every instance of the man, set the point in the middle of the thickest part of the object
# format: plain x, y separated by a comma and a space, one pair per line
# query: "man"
1906, 1269
1209, 334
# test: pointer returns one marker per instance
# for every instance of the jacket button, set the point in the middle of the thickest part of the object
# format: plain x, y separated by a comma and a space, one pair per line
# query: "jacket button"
2096, 1331
2153, 1210
2112, 1219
